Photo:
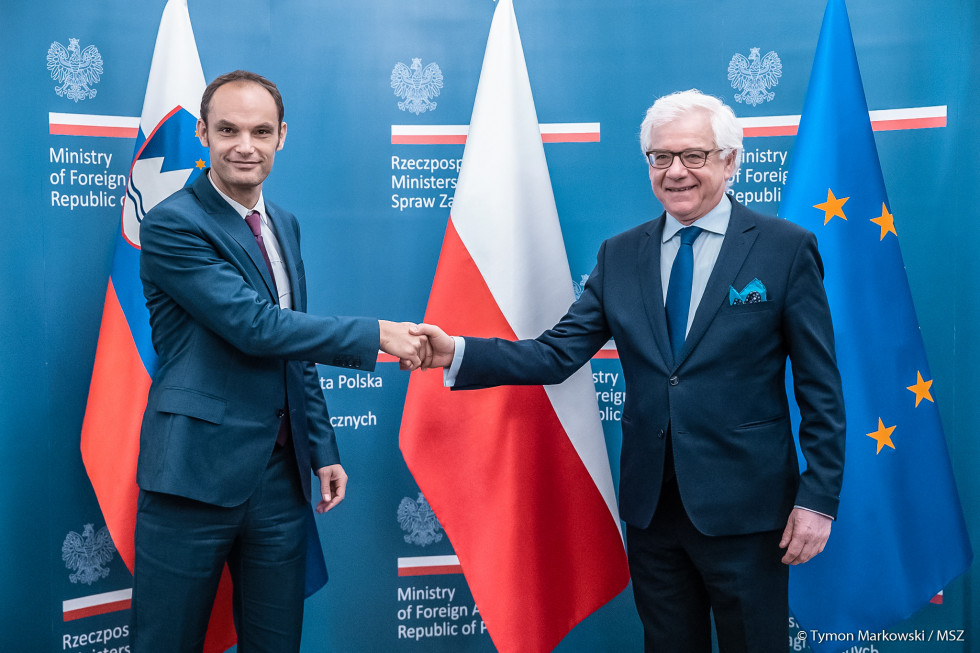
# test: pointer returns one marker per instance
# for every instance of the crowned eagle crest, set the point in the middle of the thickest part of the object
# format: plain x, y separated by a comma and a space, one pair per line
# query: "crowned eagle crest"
87, 554
417, 519
415, 85
75, 69
754, 76
579, 286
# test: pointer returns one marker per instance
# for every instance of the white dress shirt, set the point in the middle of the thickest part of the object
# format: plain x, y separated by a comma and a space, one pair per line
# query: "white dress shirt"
706, 249
272, 248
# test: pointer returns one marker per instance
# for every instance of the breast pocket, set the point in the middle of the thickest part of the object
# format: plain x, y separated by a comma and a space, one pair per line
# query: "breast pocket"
736, 310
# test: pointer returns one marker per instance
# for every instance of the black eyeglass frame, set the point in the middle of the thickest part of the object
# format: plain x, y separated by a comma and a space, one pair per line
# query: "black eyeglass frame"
680, 154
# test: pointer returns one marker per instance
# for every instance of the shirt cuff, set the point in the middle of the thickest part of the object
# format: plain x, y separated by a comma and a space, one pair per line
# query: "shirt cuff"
815, 511
449, 373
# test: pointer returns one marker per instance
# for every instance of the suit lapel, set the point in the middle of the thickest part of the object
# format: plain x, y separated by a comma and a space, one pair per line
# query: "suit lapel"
738, 242
231, 222
651, 284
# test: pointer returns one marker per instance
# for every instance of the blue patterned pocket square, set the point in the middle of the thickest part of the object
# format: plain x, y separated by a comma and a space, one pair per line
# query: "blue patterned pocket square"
753, 293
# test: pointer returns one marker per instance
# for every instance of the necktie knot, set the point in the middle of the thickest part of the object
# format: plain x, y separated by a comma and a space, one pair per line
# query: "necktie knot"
254, 221
690, 234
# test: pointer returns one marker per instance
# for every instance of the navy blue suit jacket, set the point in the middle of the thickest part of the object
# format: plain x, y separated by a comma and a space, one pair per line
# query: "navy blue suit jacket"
228, 355
724, 397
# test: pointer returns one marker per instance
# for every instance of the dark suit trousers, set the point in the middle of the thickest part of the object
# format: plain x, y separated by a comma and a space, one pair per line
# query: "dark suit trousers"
182, 546
681, 576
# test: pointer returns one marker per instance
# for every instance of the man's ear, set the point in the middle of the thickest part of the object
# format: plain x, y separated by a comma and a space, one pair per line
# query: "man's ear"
730, 162
282, 136
202, 132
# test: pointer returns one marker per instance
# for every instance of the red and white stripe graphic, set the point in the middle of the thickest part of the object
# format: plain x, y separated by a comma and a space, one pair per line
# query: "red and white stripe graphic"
608, 350
429, 566
518, 476
881, 120
82, 124
556, 132
89, 606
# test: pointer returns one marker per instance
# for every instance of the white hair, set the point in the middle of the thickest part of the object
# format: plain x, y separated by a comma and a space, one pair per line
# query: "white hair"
727, 131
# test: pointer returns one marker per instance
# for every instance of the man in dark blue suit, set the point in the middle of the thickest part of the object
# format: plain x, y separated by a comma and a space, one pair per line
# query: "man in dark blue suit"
235, 419
706, 303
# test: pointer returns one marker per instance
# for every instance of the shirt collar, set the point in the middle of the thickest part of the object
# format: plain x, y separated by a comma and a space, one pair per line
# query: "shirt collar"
241, 209
716, 220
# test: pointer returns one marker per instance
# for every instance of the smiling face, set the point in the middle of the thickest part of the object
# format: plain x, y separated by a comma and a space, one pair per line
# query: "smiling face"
688, 194
243, 133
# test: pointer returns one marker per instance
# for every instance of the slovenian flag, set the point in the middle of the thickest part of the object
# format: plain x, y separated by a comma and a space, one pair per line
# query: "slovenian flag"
518, 476
168, 156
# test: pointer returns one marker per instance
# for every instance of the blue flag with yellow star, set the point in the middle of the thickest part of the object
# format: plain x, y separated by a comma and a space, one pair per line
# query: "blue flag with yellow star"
900, 535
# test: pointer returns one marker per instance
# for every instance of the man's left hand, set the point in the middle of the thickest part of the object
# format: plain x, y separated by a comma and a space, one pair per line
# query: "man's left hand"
333, 484
805, 535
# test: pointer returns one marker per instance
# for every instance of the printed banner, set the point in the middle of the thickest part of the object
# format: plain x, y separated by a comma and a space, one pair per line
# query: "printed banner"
379, 97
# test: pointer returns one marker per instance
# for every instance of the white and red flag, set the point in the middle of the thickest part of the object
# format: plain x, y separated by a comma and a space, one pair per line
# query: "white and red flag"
518, 476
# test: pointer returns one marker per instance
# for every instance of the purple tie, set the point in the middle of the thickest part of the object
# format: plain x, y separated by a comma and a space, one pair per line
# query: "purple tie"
254, 221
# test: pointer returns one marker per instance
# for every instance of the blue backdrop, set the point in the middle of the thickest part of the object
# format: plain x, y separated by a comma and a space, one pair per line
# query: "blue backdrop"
367, 254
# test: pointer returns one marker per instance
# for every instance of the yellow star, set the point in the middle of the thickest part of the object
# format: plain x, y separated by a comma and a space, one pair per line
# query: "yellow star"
832, 207
886, 221
921, 389
200, 164
883, 436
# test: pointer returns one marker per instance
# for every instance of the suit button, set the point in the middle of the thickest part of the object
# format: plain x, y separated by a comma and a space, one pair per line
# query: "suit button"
280, 413
674, 380
660, 434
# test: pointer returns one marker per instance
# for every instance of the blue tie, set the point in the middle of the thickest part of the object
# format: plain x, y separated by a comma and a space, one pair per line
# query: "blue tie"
679, 289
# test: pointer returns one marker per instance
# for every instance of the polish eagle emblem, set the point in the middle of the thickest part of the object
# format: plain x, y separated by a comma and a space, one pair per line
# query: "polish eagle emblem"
77, 70
415, 85
87, 554
417, 519
753, 76
579, 286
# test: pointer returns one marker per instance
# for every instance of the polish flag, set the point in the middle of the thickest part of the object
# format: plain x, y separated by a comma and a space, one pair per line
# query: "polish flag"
518, 476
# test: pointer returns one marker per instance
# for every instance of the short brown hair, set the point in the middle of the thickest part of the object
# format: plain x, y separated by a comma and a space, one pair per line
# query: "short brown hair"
240, 76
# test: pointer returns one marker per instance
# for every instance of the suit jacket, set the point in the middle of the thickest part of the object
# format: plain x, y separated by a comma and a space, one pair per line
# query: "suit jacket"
724, 397
228, 355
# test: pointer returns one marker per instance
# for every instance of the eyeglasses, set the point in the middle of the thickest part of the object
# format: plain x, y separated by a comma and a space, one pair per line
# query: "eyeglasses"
662, 159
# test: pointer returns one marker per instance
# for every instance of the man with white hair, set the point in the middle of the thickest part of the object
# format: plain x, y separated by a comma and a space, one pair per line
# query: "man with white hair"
706, 303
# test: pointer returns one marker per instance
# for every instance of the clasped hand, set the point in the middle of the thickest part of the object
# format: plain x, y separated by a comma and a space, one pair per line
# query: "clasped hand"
399, 340
417, 346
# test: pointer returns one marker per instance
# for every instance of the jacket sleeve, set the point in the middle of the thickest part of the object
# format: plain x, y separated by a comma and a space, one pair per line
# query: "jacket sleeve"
816, 382
323, 441
184, 271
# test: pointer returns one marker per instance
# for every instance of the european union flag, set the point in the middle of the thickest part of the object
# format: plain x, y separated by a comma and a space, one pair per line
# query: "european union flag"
900, 535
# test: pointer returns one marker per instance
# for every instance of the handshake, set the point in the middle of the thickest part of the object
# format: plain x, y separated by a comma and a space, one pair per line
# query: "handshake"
417, 346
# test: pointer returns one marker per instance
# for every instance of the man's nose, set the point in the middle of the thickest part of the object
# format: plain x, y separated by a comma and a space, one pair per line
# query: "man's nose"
244, 144
677, 168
